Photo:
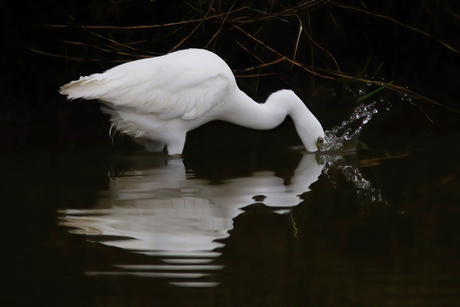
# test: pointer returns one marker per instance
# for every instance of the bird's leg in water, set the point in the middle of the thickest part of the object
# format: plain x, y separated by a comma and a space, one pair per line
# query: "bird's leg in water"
175, 145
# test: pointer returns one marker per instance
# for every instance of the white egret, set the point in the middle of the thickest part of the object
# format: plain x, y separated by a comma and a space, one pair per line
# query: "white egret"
158, 100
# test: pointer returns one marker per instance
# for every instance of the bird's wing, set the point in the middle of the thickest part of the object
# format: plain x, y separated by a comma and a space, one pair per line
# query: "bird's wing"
170, 88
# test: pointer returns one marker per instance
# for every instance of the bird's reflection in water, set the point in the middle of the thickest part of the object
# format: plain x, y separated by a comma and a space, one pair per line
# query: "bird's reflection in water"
162, 211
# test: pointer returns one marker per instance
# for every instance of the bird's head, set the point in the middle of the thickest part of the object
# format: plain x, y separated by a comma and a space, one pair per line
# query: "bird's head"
319, 142
308, 127
311, 133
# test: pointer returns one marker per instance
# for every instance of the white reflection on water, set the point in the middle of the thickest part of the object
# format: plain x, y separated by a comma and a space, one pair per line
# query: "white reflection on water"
162, 211
167, 213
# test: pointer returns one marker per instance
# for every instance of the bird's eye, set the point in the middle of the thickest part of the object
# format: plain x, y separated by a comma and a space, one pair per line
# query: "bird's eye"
320, 140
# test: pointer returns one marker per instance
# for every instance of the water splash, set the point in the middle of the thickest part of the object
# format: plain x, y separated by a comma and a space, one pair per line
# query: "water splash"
365, 193
349, 138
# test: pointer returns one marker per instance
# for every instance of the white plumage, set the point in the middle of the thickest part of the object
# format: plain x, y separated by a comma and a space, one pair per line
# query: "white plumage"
158, 100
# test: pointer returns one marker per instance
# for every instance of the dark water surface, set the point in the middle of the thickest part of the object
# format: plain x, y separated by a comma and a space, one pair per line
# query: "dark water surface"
290, 229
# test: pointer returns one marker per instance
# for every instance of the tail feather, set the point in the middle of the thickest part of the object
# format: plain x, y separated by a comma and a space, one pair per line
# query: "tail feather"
124, 119
88, 87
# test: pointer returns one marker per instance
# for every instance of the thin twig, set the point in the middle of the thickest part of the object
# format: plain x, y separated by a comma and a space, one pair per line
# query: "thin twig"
421, 110
262, 65
398, 89
320, 47
221, 25
399, 23
185, 38
112, 40
333, 19
250, 52
256, 75
70, 58
282, 56
298, 39
151, 26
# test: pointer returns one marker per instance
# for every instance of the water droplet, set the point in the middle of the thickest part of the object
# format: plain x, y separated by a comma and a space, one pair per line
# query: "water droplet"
332, 140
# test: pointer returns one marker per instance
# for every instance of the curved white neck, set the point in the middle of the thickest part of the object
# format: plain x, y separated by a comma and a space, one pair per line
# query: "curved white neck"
244, 111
